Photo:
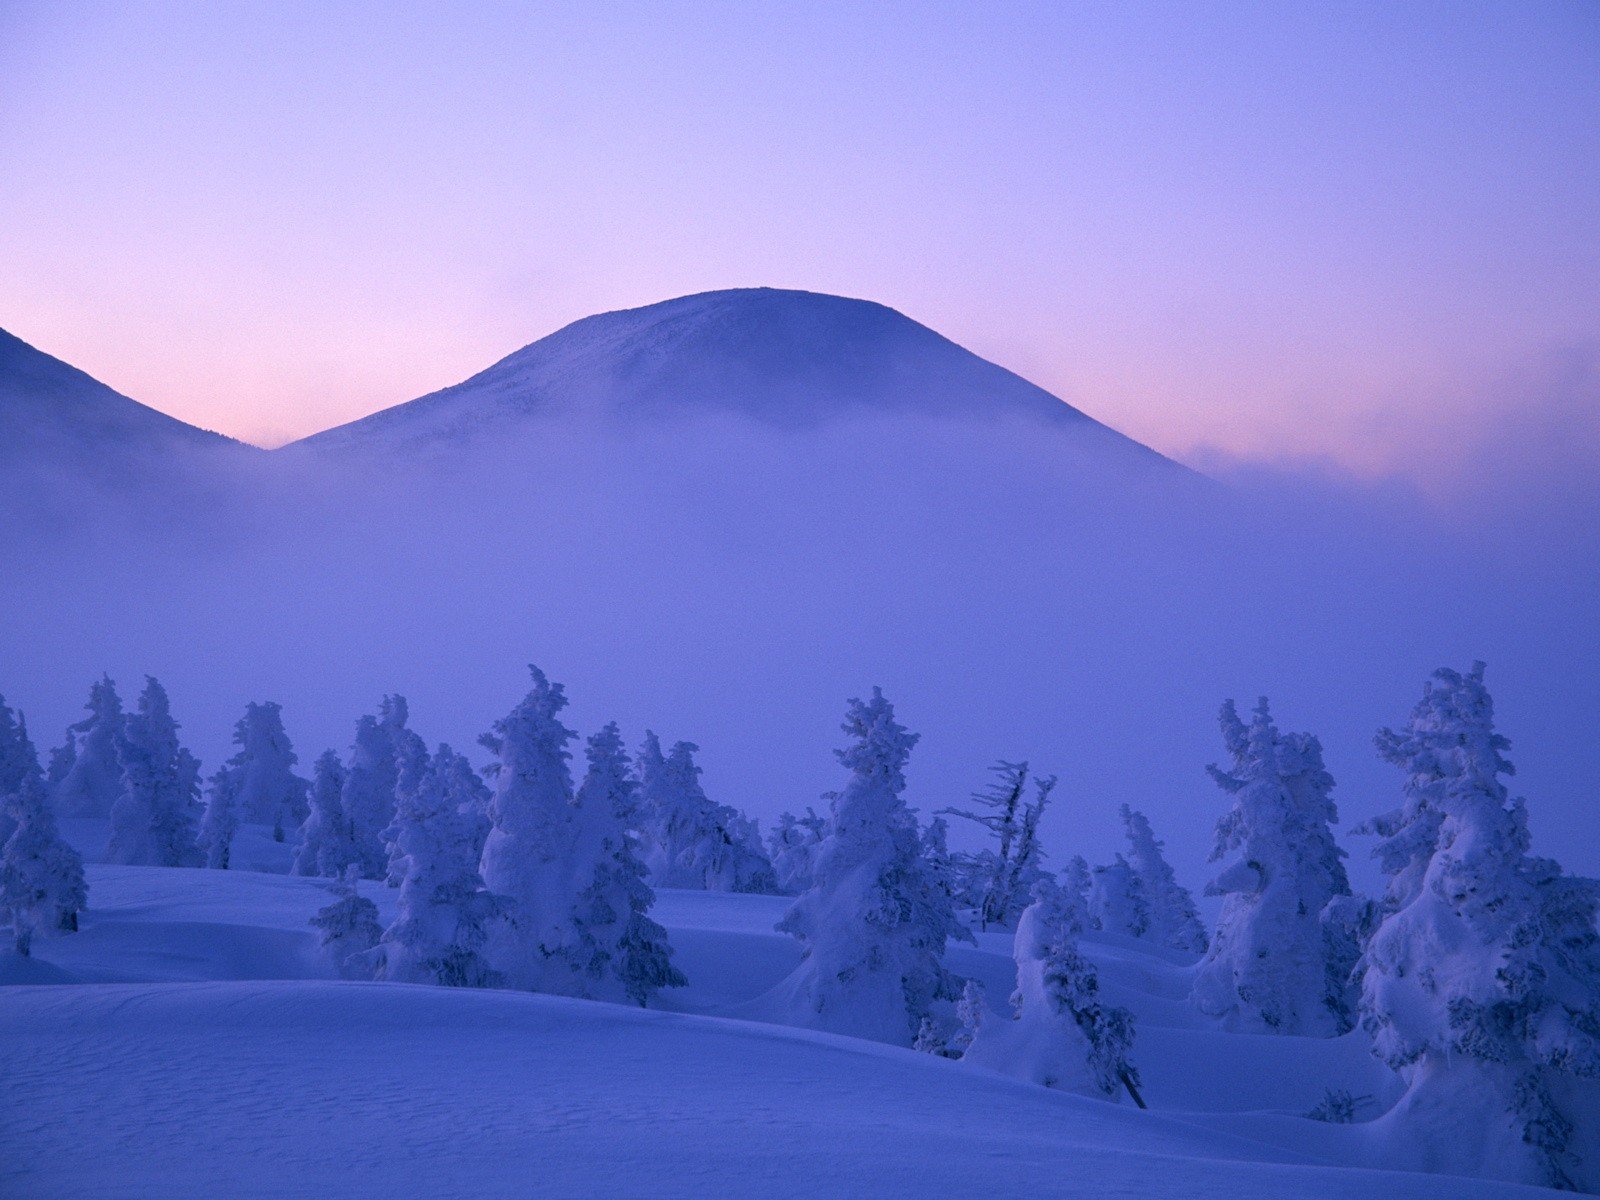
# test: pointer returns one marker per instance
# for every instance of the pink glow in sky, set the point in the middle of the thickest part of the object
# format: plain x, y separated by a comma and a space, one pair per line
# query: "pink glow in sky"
1350, 231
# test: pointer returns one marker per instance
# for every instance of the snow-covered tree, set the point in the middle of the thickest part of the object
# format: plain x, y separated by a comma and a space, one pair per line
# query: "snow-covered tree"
348, 929
875, 923
220, 821
1117, 902
1174, 921
17, 760
1267, 970
92, 782
1061, 1035
444, 912
792, 847
471, 795
525, 857
623, 953
326, 843
1481, 985
153, 820
42, 889
998, 881
689, 841
368, 798
269, 792
412, 765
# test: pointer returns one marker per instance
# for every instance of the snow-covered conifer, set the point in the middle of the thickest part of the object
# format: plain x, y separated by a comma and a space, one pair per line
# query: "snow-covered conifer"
368, 797
792, 847
1062, 1034
153, 820
1481, 985
42, 889
18, 759
444, 911
469, 791
1117, 903
689, 841
326, 843
220, 821
526, 856
875, 923
269, 791
93, 781
1267, 970
349, 929
623, 953
1174, 921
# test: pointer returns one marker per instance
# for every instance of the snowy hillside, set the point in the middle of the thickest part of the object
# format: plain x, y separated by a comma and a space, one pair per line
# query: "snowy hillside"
188, 1043
785, 357
51, 412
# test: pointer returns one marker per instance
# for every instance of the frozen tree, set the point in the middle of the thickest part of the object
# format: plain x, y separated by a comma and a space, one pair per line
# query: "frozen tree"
689, 841
412, 766
1117, 901
1076, 881
368, 798
42, 890
326, 844
1481, 984
18, 760
220, 822
269, 792
93, 781
1268, 968
526, 856
153, 820
792, 848
997, 881
441, 926
1062, 1034
1174, 921
874, 924
467, 788
349, 929
622, 953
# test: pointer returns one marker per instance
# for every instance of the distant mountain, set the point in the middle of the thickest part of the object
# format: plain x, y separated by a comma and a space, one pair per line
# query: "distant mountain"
54, 416
782, 357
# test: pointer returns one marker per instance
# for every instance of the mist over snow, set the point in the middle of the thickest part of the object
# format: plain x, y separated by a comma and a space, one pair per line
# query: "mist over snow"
721, 519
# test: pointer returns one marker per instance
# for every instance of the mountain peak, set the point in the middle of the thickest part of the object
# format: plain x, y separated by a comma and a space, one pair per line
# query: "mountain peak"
774, 355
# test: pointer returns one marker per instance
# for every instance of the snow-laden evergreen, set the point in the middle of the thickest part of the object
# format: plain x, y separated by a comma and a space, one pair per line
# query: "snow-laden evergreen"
326, 843
875, 923
153, 820
688, 840
444, 911
623, 953
412, 766
348, 929
220, 821
1481, 985
1269, 968
997, 882
370, 781
1117, 901
18, 759
468, 790
792, 847
1173, 919
42, 888
525, 856
1061, 1034
91, 778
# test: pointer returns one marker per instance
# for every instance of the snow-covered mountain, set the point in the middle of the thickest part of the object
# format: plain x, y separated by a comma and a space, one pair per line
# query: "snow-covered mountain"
51, 412
787, 358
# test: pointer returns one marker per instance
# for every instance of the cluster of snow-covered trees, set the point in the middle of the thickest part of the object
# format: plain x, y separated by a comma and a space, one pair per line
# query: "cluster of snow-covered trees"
1475, 976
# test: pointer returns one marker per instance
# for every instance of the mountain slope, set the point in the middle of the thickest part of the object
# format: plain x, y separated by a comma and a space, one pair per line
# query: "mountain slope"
48, 407
781, 357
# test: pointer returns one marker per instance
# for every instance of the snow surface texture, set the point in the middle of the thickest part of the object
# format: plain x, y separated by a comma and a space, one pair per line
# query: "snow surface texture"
189, 1042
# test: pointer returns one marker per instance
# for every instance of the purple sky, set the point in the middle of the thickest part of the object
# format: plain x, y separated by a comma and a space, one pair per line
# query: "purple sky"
1356, 231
